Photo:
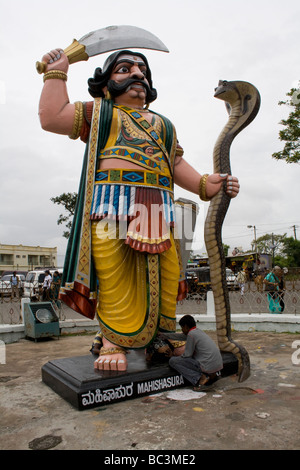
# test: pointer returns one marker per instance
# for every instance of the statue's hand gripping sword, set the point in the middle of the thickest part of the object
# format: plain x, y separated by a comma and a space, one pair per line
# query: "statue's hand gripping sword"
109, 39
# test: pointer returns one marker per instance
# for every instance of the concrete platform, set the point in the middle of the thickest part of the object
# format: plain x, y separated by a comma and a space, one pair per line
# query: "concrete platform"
76, 380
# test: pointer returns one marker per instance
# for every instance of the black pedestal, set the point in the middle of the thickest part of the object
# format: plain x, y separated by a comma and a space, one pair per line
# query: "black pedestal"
76, 380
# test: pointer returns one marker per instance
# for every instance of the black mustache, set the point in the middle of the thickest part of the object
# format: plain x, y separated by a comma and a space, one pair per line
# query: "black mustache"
121, 87
117, 89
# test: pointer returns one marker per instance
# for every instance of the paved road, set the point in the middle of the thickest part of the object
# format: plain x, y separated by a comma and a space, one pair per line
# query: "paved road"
261, 413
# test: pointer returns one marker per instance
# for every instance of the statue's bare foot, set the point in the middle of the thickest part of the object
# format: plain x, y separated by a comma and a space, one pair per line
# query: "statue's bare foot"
112, 361
111, 357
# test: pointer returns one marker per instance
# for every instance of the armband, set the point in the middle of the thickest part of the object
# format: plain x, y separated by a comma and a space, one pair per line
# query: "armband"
78, 120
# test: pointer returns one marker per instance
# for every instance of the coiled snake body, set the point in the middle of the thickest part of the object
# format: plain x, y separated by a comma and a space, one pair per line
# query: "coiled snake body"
243, 102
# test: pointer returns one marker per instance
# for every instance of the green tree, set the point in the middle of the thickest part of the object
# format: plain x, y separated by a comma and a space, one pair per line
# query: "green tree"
285, 250
291, 133
226, 249
291, 251
271, 244
68, 201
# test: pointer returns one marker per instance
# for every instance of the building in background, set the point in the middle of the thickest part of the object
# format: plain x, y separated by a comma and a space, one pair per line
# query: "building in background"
26, 258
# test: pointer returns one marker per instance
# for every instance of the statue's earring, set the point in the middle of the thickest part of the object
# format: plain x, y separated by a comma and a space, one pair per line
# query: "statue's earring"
147, 106
108, 95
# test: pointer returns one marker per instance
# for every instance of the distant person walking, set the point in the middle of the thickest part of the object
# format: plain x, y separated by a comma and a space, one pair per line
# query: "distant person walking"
273, 287
55, 284
47, 285
241, 279
15, 285
282, 288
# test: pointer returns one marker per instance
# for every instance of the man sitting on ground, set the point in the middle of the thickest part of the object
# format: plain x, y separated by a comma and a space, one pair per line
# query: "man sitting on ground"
201, 361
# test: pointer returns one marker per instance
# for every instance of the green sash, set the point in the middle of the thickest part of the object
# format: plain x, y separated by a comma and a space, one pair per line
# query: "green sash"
79, 282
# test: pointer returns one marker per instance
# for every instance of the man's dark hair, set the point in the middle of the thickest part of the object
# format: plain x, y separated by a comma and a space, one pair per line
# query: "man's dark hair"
187, 320
102, 77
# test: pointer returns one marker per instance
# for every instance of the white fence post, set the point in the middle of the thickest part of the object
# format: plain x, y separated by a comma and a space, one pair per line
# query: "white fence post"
210, 304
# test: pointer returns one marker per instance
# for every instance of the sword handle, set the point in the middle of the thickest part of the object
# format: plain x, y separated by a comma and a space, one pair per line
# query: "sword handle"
75, 53
40, 67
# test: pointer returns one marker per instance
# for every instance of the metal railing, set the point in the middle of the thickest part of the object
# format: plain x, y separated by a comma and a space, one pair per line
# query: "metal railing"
254, 299
10, 301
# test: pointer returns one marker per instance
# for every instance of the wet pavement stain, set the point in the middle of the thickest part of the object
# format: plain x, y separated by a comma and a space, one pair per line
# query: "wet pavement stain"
241, 391
235, 416
45, 442
7, 378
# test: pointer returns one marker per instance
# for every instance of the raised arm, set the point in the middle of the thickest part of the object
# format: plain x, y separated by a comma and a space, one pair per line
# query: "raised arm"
56, 113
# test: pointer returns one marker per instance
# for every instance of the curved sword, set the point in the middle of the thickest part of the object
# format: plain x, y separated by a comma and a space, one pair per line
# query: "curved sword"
109, 39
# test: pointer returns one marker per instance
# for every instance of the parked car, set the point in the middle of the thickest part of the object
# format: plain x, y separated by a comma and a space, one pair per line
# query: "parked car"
14, 271
34, 282
231, 279
6, 286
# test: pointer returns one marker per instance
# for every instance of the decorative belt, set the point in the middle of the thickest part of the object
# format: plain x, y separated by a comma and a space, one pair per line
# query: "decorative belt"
135, 177
132, 155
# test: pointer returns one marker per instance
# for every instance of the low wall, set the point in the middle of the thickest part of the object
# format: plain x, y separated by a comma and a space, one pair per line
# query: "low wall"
239, 322
252, 322
13, 333
278, 323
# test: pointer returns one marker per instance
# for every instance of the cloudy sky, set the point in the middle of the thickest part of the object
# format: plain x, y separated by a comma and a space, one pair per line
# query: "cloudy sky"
255, 41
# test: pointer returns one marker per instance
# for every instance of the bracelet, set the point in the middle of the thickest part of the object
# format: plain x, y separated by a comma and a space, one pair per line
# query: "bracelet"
78, 120
59, 74
202, 188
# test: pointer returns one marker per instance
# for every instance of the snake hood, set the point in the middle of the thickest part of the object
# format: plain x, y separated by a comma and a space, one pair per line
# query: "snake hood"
242, 96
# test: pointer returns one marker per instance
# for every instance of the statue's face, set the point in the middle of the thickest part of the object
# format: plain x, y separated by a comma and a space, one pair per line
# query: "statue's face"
129, 74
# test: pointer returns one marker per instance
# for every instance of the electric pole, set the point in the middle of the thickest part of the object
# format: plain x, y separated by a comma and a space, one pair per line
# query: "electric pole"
294, 228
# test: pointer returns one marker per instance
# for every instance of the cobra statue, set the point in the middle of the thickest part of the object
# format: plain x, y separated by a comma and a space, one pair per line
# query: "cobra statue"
242, 102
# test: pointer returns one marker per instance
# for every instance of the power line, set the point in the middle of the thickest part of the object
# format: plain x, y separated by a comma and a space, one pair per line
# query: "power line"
288, 224
273, 226
259, 232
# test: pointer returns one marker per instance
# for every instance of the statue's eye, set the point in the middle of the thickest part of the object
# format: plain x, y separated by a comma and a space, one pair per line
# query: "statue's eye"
123, 69
224, 83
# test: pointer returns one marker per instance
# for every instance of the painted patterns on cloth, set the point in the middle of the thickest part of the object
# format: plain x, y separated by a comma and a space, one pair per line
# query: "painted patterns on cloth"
147, 297
137, 141
135, 288
143, 198
151, 131
136, 177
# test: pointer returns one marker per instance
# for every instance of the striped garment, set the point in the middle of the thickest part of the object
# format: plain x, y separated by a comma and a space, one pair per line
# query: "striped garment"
122, 202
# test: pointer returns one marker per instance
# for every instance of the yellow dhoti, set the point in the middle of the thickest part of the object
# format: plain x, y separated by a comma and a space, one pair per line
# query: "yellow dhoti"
137, 291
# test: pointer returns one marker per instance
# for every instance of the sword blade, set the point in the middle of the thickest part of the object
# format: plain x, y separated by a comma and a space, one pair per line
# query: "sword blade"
113, 38
108, 39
